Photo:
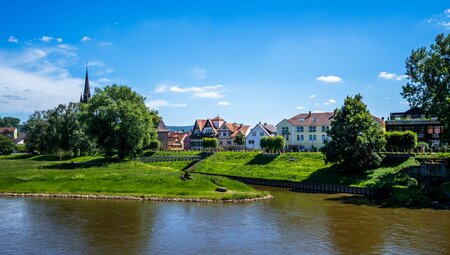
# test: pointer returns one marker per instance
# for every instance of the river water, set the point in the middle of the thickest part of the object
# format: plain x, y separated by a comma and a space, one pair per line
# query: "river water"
291, 223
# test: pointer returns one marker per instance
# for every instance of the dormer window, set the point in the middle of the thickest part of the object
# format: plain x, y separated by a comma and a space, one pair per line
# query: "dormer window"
314, 120
301, 120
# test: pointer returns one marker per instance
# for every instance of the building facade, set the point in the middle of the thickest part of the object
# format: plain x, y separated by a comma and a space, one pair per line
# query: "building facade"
253, 138
225, 132
428, 128
308, 131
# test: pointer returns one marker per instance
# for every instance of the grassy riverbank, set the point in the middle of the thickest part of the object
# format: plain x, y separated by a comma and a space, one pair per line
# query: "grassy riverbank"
93, 175
308, 167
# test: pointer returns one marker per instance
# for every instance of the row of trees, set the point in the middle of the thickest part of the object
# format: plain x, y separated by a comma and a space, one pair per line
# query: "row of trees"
272, 143
115, 122
9, 122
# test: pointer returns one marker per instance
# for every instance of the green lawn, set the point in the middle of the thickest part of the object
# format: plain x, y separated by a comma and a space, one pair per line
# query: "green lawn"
301, 166
92, 175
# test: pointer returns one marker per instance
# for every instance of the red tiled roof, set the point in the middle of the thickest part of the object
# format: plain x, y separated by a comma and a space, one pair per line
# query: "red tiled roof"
269, 128
312, 119
7, 129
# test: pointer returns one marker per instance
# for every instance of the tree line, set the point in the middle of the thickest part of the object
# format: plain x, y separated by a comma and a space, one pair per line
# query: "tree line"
114, 122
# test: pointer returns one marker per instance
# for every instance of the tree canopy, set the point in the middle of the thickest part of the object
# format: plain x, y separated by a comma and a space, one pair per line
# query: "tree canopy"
119, 121
355, 139
6, 145
9, 122
428, 72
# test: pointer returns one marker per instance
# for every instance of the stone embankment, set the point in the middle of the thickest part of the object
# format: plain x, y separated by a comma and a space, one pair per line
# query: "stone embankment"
142, 198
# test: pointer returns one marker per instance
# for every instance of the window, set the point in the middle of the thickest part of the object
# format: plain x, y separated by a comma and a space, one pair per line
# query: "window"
314, 137
312, 128
298, 137
287, 137
284, 130
254, 133
228, 142
299, 129
324, 128
302, 137
323, 138
261, 133
251, 141
310, 137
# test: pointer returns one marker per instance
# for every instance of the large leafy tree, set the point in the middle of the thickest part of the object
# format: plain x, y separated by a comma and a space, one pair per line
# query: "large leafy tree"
428, 72
6, 145
9, 122
356, 141
119, 121
38, 133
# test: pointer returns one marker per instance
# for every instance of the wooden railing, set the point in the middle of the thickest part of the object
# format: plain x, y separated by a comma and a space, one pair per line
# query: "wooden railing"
169, 158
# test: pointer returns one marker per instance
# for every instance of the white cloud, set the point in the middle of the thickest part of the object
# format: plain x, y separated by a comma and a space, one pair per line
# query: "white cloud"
59, 39
312, 96
329, 79
387, 98
66, 46
330, 101
12, 39
300, 107
446, 24
212, 91
447, 11
104, 43
403, 103
159, 103
198, 73
85, 39
391, 76
223, 103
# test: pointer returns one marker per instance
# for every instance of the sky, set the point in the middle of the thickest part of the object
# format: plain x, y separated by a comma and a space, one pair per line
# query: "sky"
247, 61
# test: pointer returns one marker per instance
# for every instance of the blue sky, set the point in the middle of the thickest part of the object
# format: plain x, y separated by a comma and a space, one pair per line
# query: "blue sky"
248, 61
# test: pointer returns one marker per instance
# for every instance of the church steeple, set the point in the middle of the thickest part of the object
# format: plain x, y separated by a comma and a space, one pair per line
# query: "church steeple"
87, 89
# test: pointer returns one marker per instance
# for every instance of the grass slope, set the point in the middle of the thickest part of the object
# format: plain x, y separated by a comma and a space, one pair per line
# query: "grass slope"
40, 175
309, 167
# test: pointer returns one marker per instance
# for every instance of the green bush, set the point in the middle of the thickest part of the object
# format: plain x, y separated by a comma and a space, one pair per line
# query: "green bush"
423, 146
210, 143
401, 141
6, 145
21, 148
272, 143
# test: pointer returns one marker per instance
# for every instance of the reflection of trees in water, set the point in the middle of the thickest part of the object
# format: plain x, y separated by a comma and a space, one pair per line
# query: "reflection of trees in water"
97, 226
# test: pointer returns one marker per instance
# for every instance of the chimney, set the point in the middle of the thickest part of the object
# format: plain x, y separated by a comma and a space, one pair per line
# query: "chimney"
309, 114
259, 122
382, 118
265, 123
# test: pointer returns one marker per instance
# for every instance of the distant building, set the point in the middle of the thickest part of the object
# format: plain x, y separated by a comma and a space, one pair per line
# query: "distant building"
163, 135
428, 128
86, 95
308, 131
252, 141
10, 132
218, 128
177, 141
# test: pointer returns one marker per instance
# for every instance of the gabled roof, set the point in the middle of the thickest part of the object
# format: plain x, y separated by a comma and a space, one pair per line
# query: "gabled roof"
161, 127
312, 119
269, 128
7, 129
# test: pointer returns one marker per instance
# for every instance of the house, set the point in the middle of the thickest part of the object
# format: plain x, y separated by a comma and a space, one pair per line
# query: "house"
176, 141
252, 141
228, 133
163, 134
308, 131
10, 132
218, 128
20, 139
428, 128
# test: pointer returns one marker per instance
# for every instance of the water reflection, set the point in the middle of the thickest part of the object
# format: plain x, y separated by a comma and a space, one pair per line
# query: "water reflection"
291, 223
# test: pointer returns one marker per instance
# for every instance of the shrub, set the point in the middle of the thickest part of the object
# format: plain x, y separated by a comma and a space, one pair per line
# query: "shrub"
210, 143
6, 145
154, 145
21, 148
401, 141
423, 146
272, 143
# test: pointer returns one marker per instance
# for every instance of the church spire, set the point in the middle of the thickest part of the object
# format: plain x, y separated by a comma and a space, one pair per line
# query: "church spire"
87, 90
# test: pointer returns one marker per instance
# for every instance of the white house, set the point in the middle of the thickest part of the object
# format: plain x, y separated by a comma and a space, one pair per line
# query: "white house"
252, 141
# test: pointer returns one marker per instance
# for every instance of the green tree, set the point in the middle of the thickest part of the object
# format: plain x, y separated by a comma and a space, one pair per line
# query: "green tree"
240, 139
272, 143
210, 143
119, 121
9, 122
356, 141
6, 145
428, 72
38, 132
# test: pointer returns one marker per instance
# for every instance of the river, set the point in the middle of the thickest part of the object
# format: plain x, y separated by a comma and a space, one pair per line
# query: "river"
291, 223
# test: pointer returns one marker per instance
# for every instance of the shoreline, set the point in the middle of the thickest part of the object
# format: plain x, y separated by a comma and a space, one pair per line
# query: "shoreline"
141, 198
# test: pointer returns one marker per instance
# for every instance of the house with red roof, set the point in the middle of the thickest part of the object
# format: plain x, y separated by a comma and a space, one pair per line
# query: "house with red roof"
218, 128
10, 132
308, 131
